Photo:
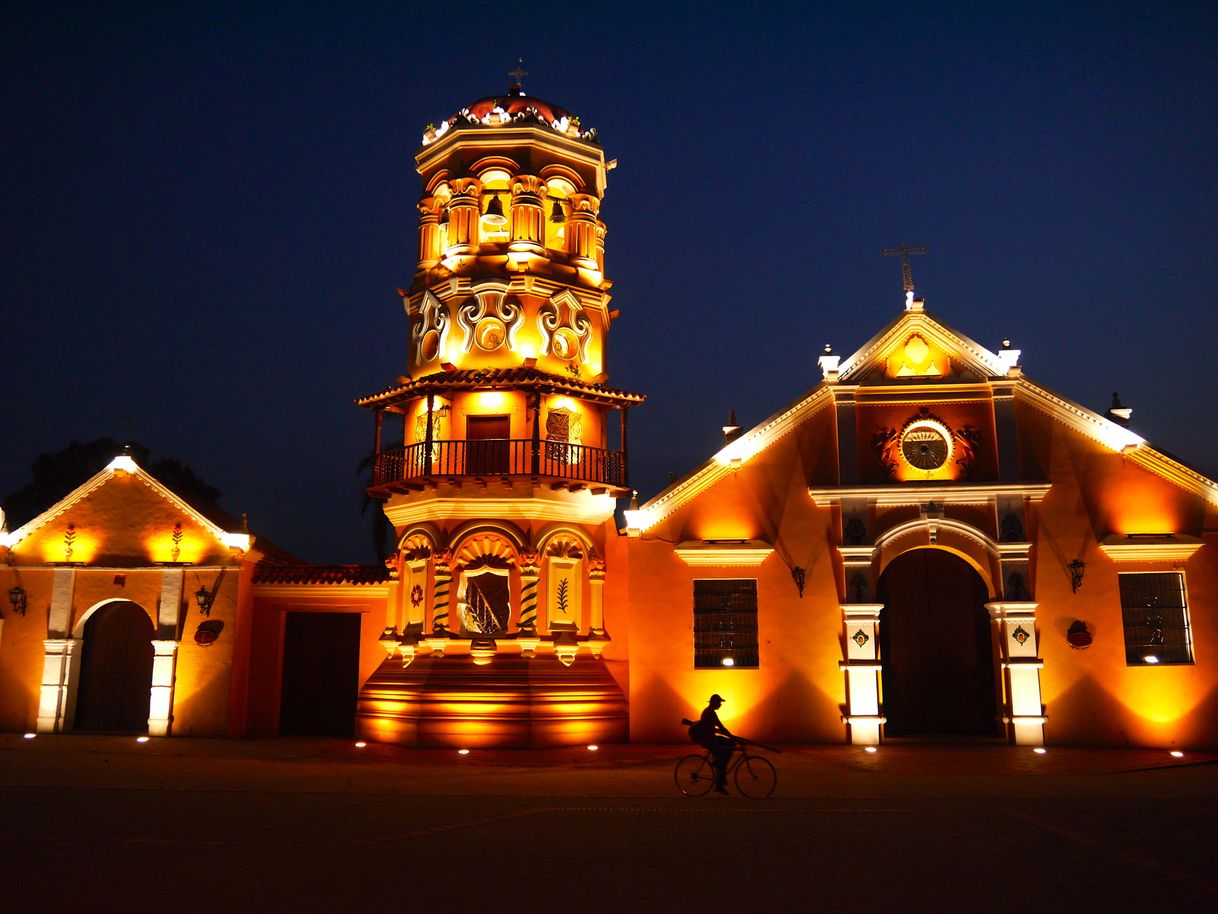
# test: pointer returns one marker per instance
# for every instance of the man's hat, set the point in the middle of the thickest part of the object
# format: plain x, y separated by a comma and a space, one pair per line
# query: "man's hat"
719, 698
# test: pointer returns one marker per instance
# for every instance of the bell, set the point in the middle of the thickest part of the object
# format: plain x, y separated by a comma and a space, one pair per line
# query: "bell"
494, 212
556, 214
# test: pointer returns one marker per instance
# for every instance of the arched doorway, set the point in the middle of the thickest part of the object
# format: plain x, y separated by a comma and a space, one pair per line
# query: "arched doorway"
935, 647
115, 670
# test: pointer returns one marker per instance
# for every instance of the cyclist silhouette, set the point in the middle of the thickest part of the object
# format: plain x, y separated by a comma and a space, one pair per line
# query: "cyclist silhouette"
706, 733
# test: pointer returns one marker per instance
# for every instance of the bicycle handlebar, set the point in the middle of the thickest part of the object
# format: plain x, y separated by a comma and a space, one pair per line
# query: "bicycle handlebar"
689, 723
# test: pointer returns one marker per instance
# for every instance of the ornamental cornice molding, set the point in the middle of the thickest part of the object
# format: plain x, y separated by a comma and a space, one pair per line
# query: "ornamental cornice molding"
592, 509
897, 494
714, 554
510, 284
1170, 547
325, 593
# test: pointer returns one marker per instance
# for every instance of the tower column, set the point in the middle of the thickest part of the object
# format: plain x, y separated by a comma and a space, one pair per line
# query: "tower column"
429, 232
861, 618
464, 213
581, 230
528, 215
439, 622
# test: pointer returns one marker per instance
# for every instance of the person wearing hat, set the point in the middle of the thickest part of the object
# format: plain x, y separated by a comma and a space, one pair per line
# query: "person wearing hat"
706, 733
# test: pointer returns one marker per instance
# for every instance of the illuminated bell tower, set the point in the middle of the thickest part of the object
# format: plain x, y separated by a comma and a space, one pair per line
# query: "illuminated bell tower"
512, 451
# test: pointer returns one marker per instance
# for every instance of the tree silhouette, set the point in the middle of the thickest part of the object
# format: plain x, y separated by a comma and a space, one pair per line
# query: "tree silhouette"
52, 476
382, 531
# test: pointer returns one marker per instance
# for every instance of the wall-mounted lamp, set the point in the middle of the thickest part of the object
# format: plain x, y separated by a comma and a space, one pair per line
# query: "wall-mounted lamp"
494, 212
203, 598
1076, 569
16, 596
800, 577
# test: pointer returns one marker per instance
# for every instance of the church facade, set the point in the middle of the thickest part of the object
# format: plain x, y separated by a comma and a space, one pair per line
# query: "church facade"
926, 544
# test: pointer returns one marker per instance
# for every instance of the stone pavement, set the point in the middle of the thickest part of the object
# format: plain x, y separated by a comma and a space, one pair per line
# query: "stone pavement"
102, 823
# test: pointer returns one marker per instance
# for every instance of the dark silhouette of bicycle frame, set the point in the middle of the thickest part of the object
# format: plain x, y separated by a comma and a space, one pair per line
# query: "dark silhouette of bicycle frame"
753, 775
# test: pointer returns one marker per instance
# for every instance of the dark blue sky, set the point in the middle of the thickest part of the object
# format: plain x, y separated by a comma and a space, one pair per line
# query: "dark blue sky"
207, 210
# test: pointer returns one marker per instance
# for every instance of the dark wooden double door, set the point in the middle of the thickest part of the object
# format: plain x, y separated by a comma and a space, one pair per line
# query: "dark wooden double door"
115, 685
320, 681
936, 650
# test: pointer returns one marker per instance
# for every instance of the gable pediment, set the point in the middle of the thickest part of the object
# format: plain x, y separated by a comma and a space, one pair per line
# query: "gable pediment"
917, 348
123, 516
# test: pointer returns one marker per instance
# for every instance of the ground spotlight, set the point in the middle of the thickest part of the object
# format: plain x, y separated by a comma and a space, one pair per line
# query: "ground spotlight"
361, 744
1176, 753
870, 749
593, 747
728, 661
1040, 750
141, 739
462, 752
29, 735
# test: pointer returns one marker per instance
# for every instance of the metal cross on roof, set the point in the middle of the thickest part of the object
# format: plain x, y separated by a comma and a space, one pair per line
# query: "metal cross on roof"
520, 72
904, 252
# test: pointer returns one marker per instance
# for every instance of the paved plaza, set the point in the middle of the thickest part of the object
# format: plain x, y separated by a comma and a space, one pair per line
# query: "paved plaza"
94, 823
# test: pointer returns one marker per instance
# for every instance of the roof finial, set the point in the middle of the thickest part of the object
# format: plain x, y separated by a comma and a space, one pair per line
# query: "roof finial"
517, 75
904, 252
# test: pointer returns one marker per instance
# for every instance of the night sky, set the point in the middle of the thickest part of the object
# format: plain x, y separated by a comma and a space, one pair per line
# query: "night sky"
206, 211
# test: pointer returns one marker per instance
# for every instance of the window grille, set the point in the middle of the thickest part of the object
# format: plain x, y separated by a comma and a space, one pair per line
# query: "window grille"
725, 623
1154, 609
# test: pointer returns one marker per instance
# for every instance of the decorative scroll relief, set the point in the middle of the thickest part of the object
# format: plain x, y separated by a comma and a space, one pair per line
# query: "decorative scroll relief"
490, 320
563, 427
565, 328
429, 329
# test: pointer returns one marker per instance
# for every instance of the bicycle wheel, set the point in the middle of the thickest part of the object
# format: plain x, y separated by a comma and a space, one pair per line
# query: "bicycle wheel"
755, 777
694, 775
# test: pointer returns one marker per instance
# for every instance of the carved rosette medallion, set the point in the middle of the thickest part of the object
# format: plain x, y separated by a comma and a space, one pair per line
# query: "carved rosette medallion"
565, 328
490, 320
429, 329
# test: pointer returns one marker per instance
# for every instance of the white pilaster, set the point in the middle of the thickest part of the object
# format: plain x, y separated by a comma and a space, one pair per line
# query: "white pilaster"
1022, 665
164, 669
62, 589
57, 692
169, 609
862, 671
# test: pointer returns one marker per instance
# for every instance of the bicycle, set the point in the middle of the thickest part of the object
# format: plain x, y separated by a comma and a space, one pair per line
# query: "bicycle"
754, 775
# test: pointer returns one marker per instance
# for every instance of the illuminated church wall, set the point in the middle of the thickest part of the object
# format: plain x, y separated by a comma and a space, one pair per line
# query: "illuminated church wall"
795, 692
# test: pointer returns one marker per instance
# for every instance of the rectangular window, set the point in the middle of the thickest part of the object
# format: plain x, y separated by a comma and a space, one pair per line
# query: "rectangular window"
725, 623
1155, 612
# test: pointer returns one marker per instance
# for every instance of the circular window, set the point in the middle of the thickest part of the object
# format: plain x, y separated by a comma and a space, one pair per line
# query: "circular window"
429, 348
926, 444
564, 344
490, 334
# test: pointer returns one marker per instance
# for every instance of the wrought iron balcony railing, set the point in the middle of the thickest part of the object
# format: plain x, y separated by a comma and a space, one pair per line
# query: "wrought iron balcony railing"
500, 457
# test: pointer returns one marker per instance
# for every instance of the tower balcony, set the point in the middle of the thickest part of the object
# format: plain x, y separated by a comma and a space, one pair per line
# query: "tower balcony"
503, 457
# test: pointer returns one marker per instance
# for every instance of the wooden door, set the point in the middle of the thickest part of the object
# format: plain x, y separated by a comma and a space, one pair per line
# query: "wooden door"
115, 685
487, 445
320, 674
936, 650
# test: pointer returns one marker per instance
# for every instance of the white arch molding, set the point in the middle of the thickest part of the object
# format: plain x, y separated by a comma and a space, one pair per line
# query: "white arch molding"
61, 669
1014, 623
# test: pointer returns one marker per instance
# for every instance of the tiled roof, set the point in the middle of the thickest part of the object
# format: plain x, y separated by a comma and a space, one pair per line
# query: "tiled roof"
273, 573
492, 378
